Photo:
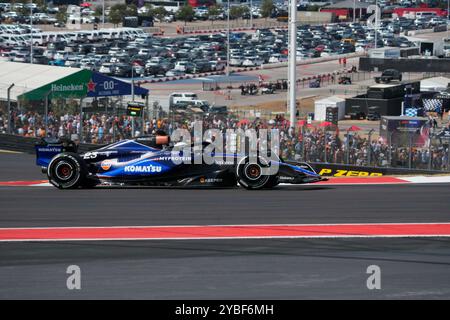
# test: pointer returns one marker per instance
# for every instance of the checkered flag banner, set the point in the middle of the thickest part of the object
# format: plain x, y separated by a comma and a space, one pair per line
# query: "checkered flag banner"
411, 112
432, 104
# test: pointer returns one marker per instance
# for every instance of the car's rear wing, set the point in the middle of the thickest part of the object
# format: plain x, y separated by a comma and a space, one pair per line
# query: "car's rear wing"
47, 148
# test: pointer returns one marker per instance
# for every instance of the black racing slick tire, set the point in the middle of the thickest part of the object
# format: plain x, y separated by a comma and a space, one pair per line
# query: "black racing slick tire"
250, 175
272, 183
67, 171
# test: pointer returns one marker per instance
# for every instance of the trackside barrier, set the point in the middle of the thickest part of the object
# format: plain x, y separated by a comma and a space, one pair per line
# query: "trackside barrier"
264, 66
156, 31
315, 60
416, 32
191, 76
343, 170
26, 145
233, 27
324, 77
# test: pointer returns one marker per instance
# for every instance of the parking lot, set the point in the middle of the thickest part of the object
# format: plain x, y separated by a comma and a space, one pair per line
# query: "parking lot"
133, 52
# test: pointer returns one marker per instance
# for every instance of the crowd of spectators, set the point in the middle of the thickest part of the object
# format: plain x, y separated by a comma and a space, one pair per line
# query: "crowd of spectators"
311, 144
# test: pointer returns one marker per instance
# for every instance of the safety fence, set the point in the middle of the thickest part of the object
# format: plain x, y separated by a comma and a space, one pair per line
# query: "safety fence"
316, 60
235, 26
433, 162
184, 77
410, 151
155, 31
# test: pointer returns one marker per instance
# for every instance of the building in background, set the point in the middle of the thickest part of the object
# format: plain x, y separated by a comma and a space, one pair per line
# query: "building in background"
344, 9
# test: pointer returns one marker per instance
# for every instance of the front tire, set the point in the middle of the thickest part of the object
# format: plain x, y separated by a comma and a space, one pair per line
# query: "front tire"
272, 183
250, 175
67, 171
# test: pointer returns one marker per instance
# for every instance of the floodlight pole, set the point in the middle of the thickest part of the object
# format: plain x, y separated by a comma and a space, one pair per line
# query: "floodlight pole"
132, 98
251, 14
347, 146
81, 120
46, 111
228, 39
376, 23
132, 82
143, 115
31, 31
292, 62
369, 147
448, 12
9, 108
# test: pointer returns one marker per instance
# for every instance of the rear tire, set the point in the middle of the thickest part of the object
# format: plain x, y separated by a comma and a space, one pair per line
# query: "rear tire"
67, 171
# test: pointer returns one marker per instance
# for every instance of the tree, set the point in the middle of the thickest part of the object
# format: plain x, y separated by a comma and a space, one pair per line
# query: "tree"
159, 13
245, 12
213, 12
98, 11
236, 12
312, 8
116, 14
130, 10
61, 15
118, 11
41, 5
266, 8
149, 9
186, 13
23, 11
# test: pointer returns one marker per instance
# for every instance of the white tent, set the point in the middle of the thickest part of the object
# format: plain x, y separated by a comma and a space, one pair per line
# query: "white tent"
434, 84
27, 77
320, 107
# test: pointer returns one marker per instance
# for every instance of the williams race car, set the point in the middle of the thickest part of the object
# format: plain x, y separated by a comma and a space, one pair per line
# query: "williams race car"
150, 161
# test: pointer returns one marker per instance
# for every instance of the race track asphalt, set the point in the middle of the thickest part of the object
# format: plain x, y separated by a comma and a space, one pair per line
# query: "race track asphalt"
223, 269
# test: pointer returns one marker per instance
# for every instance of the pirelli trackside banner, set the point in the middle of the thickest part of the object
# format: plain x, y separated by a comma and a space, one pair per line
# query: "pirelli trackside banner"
342, 170
333, 170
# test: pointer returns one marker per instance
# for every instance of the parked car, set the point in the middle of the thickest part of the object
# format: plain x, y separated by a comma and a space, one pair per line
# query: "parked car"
177, 97
389, 75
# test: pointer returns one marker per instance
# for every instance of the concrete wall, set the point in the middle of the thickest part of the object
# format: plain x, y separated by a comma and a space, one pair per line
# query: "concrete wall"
312, 17
405, 65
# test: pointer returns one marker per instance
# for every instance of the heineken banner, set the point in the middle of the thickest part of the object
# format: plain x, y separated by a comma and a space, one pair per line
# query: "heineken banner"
84, 83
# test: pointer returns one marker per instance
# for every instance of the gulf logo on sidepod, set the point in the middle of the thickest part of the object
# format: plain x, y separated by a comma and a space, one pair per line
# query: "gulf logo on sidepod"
106, 165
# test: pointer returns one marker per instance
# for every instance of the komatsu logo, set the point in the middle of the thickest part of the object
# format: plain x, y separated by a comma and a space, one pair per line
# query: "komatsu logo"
149, 168
50, 149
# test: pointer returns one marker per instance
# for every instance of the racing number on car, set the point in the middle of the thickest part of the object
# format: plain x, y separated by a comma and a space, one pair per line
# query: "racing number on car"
90, 155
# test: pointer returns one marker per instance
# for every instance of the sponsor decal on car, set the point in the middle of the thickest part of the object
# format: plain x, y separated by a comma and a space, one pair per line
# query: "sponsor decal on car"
284, 178
106, 165
144, 169
210, 180
50, 149
183, 159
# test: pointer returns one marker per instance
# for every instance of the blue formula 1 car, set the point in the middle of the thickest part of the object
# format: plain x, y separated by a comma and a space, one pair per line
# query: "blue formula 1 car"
153, 161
